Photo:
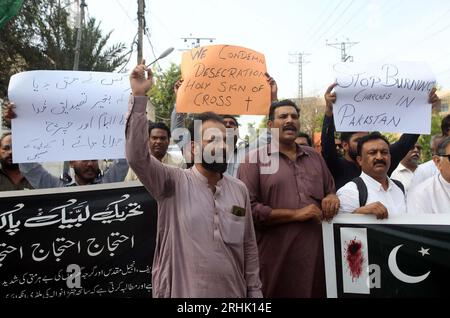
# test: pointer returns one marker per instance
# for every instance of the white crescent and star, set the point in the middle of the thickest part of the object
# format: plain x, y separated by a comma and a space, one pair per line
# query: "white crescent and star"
392, 262
424, 251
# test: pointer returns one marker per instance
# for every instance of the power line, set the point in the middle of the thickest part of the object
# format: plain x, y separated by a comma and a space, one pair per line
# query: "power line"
195, 41
152, 48
321, 14
125, 11
299, 60
343, 46
333, 24
321, 25
130, 53
346, 24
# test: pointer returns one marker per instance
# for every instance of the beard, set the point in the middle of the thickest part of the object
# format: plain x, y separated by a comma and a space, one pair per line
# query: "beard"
352, 153
87, 174
8, 165
214, 166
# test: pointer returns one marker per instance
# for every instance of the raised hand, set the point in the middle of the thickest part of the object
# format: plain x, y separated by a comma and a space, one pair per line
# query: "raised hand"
140, 83
330, 99
273, 88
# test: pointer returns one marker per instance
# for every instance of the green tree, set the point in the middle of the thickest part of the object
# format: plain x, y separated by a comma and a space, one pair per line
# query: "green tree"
425, 140
40, 37
162, 95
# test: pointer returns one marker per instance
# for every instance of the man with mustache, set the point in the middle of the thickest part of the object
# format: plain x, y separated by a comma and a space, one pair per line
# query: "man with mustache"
288, 207
206, 244
384, 196
345, 169
10, 176
86, 172
406, 168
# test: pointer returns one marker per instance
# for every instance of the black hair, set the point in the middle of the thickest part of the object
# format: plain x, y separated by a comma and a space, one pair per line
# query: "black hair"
275, 105
305, 135
158, 125
443, 145
6, 134
445, 125
206, 116
347, 135
232, 117
372, 136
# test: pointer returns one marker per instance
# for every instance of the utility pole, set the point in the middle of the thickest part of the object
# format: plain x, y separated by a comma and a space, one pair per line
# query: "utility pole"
80, 23
298, 58
196, 42
76, 62
141, 27
343, 46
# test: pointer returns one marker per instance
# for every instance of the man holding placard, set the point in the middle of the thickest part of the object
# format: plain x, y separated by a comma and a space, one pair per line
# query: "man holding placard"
206, 244
85, 171
231, 123
345, 168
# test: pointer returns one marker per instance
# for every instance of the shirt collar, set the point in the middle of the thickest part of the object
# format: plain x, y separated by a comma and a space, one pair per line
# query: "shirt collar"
166, 158
300, 151
444, 182
402, 167
204, 180
375, 184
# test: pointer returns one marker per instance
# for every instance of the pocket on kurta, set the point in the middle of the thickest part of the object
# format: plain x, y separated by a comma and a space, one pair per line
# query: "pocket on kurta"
232, 227
314, 186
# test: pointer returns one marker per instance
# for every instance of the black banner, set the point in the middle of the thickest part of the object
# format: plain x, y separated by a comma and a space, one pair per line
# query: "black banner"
391, 260
92, 241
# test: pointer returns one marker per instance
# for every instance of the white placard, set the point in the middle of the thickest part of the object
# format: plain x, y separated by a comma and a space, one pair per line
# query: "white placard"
68, 115
386, 97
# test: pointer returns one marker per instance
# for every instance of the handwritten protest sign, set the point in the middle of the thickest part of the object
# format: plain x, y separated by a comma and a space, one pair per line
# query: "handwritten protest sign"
90, 241
383, 97
224, 79
68, 115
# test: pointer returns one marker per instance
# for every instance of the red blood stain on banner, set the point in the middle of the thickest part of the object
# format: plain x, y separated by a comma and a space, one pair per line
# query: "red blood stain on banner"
354, 258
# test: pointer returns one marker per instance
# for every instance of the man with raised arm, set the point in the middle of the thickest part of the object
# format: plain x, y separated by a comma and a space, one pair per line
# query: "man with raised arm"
206, 244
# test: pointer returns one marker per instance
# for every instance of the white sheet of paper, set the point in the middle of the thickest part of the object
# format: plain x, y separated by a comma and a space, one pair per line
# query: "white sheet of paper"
383, 97
68, 115
354, 281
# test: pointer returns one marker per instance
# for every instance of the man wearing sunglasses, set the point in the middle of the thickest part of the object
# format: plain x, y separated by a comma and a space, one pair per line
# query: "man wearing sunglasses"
433, 195
406, 168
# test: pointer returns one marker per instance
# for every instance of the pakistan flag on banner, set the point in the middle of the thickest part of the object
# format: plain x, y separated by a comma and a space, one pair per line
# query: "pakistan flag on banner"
404, 256
8, 9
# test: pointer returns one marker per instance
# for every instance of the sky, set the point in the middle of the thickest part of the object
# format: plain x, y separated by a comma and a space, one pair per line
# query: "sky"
384, 30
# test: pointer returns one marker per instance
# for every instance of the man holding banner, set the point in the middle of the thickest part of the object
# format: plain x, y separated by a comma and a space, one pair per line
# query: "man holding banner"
373, 192
433, 195
206, 244
289, 205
